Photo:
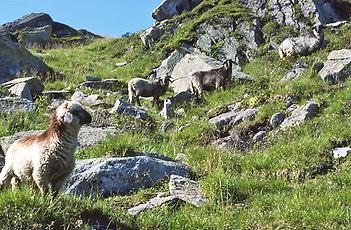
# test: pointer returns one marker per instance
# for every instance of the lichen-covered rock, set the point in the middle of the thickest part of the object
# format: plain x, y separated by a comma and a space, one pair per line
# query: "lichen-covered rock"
120, 175
158, 201
16, 62
337, 67
187, 190
16, 104
170, 8
300, 114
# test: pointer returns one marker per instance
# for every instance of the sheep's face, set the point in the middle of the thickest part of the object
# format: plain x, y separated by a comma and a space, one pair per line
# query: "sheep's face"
73, 114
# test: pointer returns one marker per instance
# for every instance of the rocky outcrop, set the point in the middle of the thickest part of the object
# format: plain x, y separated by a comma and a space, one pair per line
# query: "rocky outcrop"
338, 66
216, 38
16, 104
153, 34
294, 13
87, 100
170, 8
300, 114
120, 175
233, 117
38, 29
28, 88
167, 66
17, 62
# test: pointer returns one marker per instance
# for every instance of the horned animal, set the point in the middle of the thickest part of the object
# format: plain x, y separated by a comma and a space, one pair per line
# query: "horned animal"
139, 87
302, 45
48, 158
211, 79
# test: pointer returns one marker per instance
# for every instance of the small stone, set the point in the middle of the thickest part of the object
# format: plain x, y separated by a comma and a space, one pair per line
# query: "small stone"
341, 152
260, 136
92, 78
276, 119
155, 202
180, 112
121, 64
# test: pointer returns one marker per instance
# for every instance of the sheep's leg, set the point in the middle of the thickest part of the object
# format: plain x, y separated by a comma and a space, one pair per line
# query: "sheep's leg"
41, 182
5, 175
14, 182
57, 185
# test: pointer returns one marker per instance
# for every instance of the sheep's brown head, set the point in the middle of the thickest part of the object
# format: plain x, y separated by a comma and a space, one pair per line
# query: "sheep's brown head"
72, 113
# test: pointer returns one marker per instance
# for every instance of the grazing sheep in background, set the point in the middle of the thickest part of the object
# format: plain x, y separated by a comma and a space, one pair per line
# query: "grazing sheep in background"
48, 158
302, 45
139, 87
212, 79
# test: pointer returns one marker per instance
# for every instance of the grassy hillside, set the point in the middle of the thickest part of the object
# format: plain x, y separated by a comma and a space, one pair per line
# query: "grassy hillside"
275, 185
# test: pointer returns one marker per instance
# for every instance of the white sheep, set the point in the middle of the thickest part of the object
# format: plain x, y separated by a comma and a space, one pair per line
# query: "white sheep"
48, 158
302, 45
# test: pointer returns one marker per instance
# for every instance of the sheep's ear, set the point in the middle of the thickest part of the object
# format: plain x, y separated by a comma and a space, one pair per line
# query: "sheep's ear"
68, 117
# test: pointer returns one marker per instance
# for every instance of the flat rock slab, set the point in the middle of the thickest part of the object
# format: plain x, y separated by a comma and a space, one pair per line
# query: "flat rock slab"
233, 117
120, 175
124, 108
337, 67
108, 84
87, 137
16, 104
152, 203
187, 190
300, 114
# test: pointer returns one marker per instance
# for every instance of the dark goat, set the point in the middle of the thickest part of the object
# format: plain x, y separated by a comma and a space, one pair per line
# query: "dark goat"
212, 79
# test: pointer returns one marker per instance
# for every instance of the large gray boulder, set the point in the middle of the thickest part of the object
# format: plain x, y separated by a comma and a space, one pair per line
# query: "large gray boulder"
233, 117
337, 67
170, 8
85, 135
32, 84
300, 114
189, 64
120, 175
17, 62
16, 104
167, 66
